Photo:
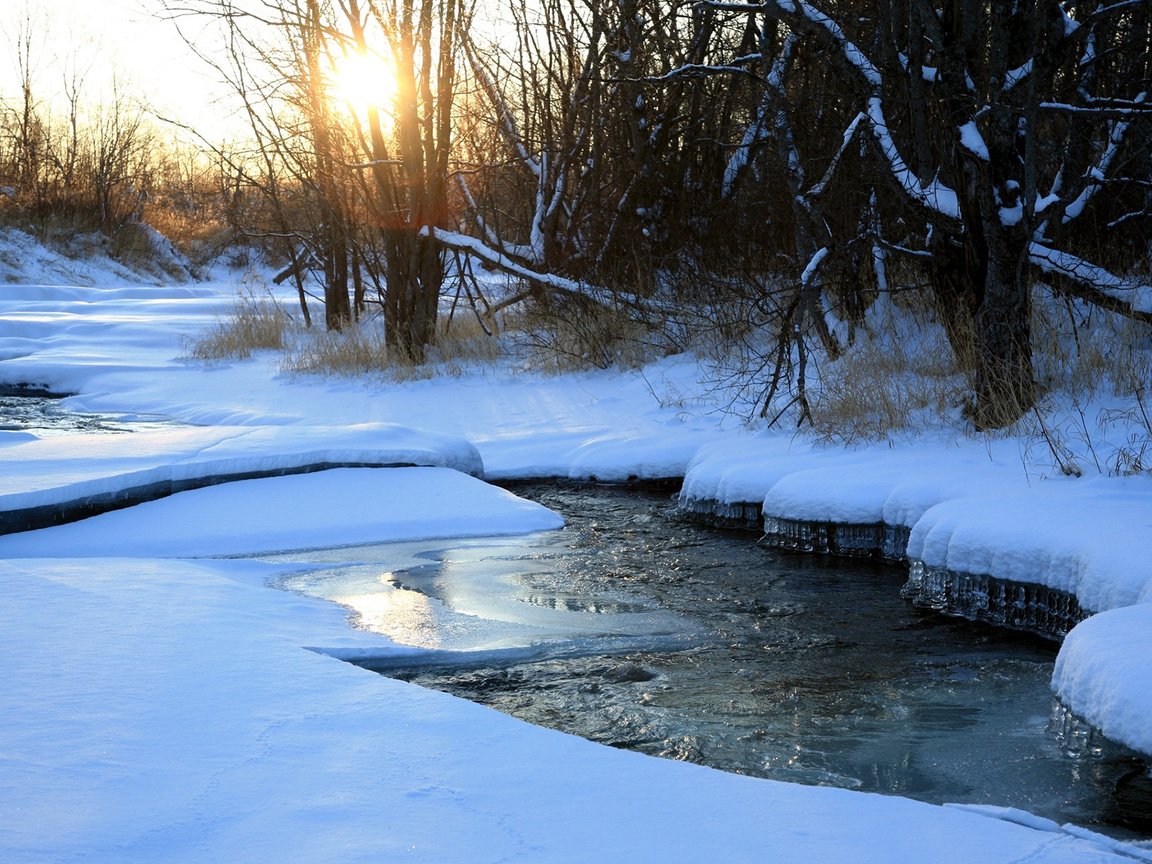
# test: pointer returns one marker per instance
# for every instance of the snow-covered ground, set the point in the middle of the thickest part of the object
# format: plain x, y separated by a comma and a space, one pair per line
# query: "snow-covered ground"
164, 706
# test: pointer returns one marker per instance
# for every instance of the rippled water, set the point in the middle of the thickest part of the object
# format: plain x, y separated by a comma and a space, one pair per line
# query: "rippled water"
46, 415
638, 629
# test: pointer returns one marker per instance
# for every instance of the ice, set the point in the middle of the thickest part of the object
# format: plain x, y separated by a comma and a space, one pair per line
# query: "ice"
472, 596
163, 710
44, 481
337, 507
978, 597
1102, 674
726, 514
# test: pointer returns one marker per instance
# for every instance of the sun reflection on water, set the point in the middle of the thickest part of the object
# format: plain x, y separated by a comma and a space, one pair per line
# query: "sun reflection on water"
406, 617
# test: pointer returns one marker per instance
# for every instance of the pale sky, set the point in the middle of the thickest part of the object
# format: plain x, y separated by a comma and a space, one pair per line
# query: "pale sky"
130, 41
107, 38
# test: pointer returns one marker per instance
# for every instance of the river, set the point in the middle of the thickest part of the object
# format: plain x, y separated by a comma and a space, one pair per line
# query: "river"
639, 629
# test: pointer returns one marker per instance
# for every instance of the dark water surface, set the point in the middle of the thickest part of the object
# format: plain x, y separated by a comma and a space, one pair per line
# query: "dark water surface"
45, 414
639, 629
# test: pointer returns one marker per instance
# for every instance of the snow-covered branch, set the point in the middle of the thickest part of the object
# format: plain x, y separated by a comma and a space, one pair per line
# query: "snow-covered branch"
690, 70
1073, 275
507, 119
804, 16
494, 258
935, 196
490, 235
756, 131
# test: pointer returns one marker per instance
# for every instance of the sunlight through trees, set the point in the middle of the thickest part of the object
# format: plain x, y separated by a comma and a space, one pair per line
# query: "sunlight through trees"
660, 169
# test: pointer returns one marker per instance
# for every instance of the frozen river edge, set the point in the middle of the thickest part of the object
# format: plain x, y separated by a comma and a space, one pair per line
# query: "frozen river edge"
163, 709
1027, 583
89, 540
981, 541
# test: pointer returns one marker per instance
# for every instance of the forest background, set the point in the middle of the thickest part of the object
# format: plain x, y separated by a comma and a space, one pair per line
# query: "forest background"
868, 217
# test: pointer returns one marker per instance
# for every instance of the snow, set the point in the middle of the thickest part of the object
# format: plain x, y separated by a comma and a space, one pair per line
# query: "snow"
196, 728
63, 470
162, 706
339, 507
794, 479
1102, 675
972, 141
1087, 537
1130, 292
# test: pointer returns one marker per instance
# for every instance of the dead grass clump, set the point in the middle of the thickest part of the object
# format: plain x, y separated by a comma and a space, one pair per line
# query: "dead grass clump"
875, 391
198, 236
362, 349
146, 250
1095, 370
1081, 350
257, 323
900, 375
573, 334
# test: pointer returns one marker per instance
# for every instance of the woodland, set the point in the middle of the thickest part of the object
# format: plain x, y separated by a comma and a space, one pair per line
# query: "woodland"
757, 177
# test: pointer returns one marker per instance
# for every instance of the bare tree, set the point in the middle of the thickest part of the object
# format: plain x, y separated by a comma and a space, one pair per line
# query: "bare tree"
993, 129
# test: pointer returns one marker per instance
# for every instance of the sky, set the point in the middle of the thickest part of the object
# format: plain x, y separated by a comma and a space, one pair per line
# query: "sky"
134, 42
106, 40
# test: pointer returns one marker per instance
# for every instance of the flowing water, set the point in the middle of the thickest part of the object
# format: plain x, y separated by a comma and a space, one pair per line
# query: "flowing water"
639, 629
40, 412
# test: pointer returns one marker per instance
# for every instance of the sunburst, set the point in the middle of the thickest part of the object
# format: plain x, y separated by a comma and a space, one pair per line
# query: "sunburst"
361, 81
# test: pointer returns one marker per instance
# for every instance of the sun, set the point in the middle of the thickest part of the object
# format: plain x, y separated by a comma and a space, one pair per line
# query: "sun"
362, 81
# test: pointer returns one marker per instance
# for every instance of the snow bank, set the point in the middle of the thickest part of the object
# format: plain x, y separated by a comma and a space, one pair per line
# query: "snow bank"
1102, 674
85, 261
339, 507
60, 473
165, 712
1089, 538
795, 479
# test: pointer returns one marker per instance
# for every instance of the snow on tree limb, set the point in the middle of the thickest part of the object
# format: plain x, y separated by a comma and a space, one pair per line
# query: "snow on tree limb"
756, 130
1073, 275
935, 196
490, 236
845, 142
810, 271
492, 257
507, 119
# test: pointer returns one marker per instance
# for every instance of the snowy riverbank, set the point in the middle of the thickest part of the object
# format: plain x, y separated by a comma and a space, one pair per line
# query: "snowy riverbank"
166, 709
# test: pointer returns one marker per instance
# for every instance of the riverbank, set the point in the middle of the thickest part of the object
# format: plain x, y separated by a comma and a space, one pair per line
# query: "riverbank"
165, 710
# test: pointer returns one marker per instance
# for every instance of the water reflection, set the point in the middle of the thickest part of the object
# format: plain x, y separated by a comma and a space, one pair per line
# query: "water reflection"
637, 629
485, 594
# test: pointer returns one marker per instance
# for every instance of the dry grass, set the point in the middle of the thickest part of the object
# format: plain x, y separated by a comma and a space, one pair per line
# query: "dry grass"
1095, 371
1082, 351
363, 350
256, 323
573, 334
899, 376
199, 236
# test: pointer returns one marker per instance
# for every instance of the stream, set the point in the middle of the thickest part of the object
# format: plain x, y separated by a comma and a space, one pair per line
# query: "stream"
637, 628
39, 411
